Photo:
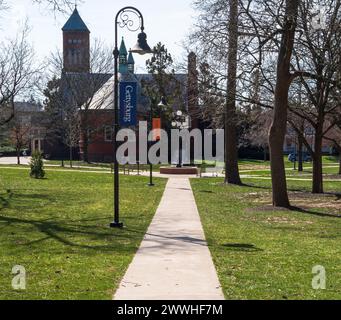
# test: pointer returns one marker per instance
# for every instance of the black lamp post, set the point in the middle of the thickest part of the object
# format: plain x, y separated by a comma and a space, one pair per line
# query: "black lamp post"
123, 20
151, 184
180, 121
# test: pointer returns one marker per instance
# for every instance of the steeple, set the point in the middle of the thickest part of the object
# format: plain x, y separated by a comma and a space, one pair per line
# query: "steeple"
76, 44
123, 67
131, 63
75, 23
123, 49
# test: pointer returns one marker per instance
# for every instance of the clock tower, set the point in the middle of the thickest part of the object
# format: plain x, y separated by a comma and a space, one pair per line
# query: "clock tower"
76, 45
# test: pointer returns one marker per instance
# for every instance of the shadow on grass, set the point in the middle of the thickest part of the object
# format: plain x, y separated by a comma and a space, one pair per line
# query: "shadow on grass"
242, 247
206, 191
255, 186
320, 214
5, 200
253, 161
192, 240
61, 232
337, 195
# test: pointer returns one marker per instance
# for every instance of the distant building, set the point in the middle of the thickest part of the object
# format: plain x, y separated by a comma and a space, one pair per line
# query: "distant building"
291, 141
76, 55
29, 116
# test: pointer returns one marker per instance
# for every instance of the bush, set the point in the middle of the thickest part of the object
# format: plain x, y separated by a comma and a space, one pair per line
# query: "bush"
37, 165
7, 149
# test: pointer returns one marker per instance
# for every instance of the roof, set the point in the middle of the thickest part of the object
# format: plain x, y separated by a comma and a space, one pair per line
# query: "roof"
131, 59
75, 23
22, 106
123, 49
104, 97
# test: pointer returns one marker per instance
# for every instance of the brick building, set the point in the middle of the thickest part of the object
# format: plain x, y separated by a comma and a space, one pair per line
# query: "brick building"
100, 117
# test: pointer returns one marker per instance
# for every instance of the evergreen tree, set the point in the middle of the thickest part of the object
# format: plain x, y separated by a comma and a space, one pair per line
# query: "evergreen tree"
37, 165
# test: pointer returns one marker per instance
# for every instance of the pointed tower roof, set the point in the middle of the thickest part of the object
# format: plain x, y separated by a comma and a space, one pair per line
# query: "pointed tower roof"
75, 23
123, 49
131, 58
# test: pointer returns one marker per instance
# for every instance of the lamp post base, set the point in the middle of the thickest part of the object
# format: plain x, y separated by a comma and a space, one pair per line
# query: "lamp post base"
151, 184
118, 225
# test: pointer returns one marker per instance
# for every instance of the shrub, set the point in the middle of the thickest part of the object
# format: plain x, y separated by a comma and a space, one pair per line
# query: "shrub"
37, 165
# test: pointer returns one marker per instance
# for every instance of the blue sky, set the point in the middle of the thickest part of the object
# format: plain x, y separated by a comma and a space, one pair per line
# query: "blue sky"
165, 21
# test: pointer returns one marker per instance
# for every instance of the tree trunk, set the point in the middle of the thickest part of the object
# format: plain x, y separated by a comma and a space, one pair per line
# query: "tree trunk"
18, 157
338, 148
317, 164
70, 157
85, 146
231, 141
279, 124
300, 154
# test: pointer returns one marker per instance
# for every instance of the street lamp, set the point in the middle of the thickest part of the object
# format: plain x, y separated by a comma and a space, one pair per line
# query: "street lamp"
162, 104
123, 20
180, 121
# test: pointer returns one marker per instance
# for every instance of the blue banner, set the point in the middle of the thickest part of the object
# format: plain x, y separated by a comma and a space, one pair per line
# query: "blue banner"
128, 104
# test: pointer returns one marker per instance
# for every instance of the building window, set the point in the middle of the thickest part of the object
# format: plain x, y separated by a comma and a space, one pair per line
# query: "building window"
89, 133
78, 57
75, 41
107, 134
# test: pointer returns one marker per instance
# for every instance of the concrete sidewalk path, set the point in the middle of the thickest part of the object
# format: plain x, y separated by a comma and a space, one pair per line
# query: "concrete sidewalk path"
173, 261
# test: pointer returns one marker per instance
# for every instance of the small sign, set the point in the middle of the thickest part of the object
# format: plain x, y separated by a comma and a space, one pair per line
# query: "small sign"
156, 129
128, 104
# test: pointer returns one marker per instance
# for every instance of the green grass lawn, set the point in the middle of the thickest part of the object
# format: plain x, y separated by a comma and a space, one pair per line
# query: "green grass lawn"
262, 169
94, 166
249, 163
57, 228
307, 172
261, 253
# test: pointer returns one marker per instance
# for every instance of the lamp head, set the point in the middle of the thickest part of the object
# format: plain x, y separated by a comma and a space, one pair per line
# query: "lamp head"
163, 103
141, 46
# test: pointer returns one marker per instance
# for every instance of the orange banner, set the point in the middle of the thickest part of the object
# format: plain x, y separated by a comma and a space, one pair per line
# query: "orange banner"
156, 129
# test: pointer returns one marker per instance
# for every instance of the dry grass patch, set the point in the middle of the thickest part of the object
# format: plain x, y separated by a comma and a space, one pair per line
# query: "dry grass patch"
329, 203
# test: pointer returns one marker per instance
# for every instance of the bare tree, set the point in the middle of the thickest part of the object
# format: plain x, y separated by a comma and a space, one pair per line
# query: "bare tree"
20, 135
215, 40
257, 134
87, 91
269, 36
279, 124
18, 73
63, 6
211, 99
334, 136
231, 145
313, 68
57, 5
72, 132
3, 5
317, 62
